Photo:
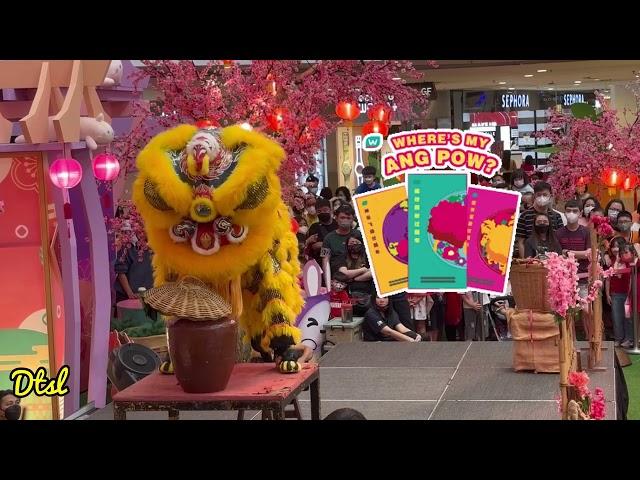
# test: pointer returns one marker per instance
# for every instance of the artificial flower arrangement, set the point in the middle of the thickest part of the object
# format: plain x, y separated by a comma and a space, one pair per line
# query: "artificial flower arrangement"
566, 303
585, 405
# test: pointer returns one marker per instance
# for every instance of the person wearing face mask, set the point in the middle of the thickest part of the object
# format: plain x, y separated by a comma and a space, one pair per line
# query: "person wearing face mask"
588, 205
623, 228
617, 289
576, 238
498, 181
311, 184
335, 242
319, 230
10, 408
520, 182
543, 239
613, 208
369, 180
541, 204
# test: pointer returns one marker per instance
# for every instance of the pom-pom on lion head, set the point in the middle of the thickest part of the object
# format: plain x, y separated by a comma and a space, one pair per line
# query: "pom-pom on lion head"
210, 198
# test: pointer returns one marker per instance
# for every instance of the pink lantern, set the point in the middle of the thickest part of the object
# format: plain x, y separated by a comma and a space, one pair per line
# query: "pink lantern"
65, 172
106, 167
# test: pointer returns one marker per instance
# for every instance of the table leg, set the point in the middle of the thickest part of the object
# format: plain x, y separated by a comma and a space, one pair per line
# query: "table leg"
315, 399
119, 413
174, 414
278, 413
241, 414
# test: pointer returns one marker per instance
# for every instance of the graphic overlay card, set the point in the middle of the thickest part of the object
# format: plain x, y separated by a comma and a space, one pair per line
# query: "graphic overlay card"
493, 215
437, 231
382, 215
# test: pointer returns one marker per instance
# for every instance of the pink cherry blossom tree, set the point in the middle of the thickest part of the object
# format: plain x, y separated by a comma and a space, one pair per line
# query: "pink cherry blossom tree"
305, 94
589, 145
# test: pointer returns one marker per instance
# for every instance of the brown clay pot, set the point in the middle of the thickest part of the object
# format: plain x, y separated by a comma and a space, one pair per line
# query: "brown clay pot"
203, 353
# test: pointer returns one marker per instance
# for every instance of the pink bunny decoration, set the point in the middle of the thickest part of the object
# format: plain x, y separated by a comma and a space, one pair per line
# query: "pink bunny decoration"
316, 310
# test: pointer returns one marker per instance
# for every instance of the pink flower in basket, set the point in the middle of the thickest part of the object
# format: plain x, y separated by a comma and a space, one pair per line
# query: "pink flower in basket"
598, 411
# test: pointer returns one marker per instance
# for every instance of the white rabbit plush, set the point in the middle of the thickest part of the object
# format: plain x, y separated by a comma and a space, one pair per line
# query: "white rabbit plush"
94, 131
114, 74
316, 310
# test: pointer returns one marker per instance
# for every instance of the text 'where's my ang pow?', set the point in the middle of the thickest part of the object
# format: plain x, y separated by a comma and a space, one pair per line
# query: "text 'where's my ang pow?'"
440, 149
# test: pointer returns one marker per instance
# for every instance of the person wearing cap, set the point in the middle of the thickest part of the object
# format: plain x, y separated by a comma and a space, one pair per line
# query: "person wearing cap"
369, 180
311, 184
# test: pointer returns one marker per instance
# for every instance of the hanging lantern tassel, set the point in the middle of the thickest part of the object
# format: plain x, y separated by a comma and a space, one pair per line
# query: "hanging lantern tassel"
68, 212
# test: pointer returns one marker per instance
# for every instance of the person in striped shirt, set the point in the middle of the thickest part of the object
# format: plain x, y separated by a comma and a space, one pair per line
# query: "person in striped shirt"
541, 204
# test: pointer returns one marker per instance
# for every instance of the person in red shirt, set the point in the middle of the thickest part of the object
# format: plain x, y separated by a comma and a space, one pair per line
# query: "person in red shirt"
617, 291
338, 295
454, 326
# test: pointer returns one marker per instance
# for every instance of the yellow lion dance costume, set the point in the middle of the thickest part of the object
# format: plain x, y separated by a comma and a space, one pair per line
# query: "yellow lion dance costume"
211, 202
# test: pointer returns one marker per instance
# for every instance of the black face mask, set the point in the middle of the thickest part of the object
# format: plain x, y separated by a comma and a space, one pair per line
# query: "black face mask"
13, 412
541, 228
324, 217
355, 249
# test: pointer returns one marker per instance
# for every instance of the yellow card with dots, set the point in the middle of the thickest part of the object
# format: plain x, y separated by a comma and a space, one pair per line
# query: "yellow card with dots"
383, 218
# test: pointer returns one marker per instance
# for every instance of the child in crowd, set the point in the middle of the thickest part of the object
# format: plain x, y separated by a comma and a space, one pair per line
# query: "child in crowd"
338, 295
420, 305
617, 288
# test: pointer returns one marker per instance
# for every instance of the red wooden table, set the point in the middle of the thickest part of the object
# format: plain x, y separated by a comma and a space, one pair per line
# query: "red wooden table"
252, 386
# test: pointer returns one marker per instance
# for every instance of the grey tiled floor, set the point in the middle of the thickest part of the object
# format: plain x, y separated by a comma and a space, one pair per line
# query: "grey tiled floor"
427, 381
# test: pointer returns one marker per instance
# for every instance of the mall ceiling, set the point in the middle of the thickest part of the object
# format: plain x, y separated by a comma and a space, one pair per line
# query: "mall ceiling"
529, 74
519, 74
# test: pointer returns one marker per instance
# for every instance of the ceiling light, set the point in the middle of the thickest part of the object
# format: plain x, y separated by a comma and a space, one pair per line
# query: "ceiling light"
577, 81
529, 75
596, 79
550, 88
396, 78
511, 88
542, 70
502, 83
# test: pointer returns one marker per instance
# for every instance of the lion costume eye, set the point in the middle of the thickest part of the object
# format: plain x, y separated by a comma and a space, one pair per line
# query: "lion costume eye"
153, 196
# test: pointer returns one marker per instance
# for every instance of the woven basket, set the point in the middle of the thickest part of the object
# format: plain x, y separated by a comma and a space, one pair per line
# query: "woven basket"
187, 298
529, 285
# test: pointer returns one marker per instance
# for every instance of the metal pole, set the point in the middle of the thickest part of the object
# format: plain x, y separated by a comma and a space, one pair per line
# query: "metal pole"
634, 292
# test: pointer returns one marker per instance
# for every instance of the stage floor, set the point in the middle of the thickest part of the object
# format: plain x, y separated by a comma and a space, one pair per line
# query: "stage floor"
427, 381
443, 381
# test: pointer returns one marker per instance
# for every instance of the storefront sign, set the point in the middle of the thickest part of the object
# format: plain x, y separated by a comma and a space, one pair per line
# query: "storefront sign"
515, 100
569, 99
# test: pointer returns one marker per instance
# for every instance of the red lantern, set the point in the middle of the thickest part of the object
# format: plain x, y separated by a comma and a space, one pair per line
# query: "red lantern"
106, 167
276, 119
294, 225
65, 172
227, 63
347, 110
207, 123
381, 113
316, 123
375, 127
612, 179
630, 182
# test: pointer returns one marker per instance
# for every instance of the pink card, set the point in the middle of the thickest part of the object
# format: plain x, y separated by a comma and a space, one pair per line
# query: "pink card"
493, 216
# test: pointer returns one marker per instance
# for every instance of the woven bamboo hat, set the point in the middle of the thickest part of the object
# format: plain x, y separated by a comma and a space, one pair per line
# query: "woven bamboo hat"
187, 298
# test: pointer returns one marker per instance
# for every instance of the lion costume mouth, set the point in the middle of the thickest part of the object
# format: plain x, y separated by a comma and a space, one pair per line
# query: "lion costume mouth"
207, 238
